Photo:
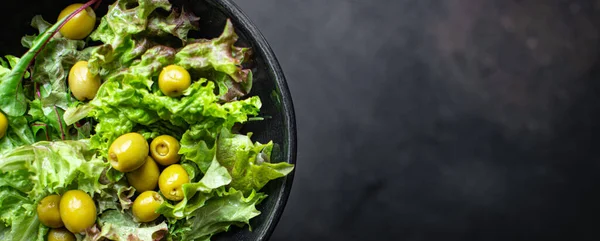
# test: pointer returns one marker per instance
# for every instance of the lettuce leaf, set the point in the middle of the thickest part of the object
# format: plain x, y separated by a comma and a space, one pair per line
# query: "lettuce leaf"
179, 23
54, 167
18, 134
115, 225
218, 54
196, 193
119, 107
218, 214
247, 162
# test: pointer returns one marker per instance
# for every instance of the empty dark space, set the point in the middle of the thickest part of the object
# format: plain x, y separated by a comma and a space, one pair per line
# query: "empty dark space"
440, 120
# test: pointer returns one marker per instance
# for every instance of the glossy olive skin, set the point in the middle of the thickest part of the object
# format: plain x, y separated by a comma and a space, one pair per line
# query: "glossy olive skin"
48, 211
3, 125
173, 80
81, 25
170, 181
165, 150
144, 178
128, 152
145, 206
83, 84
60, 234
77, 210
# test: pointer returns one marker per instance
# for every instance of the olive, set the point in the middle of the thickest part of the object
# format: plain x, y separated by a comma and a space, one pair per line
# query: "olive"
128, 152
173, 80
82, 82
170, 181
77, 210
145, 206
165, 150
60, 234
81, 25
48, 211
144, 178
3, 125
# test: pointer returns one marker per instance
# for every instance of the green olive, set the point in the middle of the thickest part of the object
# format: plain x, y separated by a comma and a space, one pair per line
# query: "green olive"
173, 80
48, 213
81, 25
170, 181
165, 150
128, 152
145, 206
83, 84
77, 210
60, 234
3, 125
144, 178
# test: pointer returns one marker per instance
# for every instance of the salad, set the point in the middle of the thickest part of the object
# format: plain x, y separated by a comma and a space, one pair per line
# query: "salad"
122, 127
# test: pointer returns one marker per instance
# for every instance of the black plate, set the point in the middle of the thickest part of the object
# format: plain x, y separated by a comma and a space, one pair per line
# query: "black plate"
269, 84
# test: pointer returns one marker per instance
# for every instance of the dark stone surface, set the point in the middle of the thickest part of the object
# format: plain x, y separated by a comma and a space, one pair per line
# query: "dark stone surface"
440, 120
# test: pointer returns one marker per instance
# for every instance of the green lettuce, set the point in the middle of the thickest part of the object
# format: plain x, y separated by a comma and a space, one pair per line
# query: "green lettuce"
114, 225
28, 173
248, 163
18, 133
218, 214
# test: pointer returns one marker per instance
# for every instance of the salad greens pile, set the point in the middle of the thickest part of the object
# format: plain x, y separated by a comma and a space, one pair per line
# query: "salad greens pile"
56, 143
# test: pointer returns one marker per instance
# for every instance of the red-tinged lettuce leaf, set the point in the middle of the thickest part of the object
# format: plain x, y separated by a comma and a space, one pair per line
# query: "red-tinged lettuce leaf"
218, 54
179, 23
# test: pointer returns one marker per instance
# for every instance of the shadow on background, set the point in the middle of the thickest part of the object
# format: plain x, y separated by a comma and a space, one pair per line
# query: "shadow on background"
440, 120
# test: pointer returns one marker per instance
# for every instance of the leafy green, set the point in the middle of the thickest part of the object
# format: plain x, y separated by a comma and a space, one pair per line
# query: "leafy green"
139, 38
18, 134
12, 97
54, 167
218, 54
196, 193
119, 107
115, 225
248, 163
178, 24
218, 214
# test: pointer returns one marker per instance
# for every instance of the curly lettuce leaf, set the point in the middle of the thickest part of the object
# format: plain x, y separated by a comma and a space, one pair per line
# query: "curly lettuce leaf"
115, 225
120, 107
218, 54
54, 167
196, 193
247, 162
12, 203
218, 214
179, 23
38, 23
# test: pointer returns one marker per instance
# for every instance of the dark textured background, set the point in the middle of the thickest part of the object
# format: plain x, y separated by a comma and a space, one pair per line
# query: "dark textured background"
440, 120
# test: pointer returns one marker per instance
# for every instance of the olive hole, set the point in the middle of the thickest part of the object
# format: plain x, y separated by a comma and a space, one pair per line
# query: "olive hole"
162, 149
